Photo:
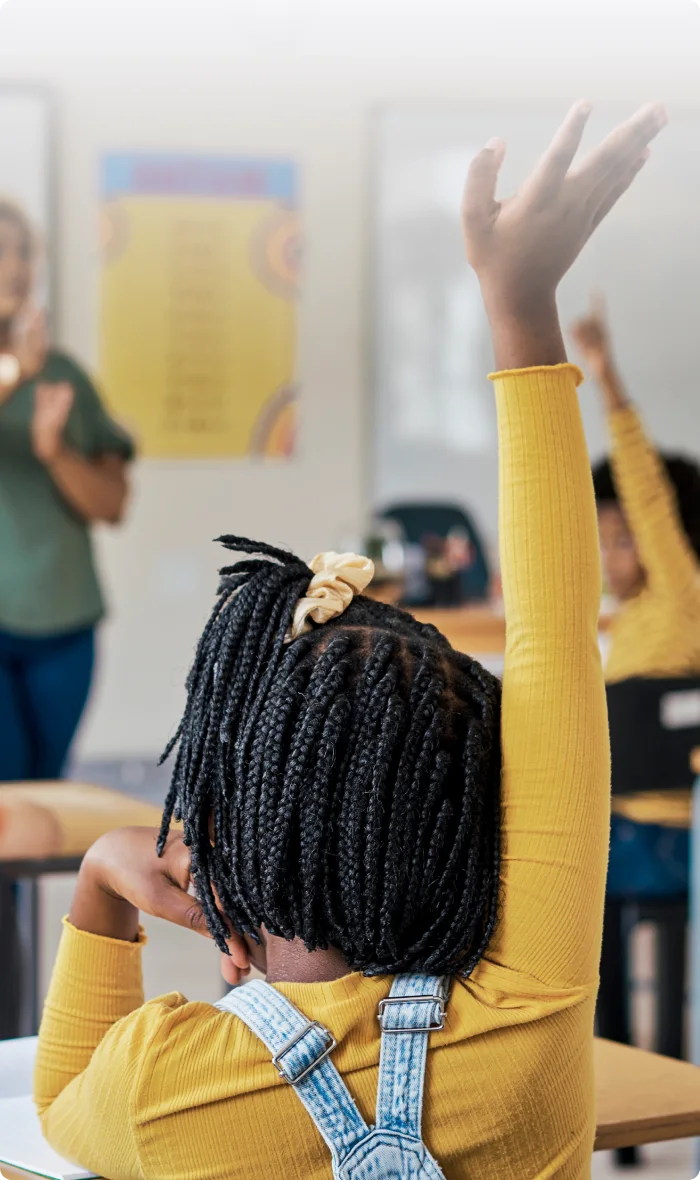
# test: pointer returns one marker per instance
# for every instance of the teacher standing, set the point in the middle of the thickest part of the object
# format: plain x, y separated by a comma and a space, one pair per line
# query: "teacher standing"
63, 467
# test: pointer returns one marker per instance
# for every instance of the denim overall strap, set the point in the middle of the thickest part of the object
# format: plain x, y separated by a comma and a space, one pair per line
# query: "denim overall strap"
414, 1008
301, 1054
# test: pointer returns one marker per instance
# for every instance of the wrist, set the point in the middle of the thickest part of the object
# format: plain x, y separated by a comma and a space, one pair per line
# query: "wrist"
97, 909
506, 303
614, 395
525, 330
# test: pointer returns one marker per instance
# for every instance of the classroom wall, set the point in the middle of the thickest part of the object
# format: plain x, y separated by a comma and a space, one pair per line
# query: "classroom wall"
160, 568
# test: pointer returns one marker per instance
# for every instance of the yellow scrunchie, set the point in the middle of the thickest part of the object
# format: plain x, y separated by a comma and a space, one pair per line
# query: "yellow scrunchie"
338, 577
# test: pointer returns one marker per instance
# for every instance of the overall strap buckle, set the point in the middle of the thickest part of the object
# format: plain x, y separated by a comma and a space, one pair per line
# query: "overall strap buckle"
322, 1053
435, 1020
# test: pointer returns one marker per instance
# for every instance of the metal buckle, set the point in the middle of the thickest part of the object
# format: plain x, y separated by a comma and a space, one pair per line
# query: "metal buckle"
295, 1041
439, 1000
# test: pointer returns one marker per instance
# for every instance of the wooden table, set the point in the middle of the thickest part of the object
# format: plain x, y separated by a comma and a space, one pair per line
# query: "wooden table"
641, 1098
48, 828
475, 630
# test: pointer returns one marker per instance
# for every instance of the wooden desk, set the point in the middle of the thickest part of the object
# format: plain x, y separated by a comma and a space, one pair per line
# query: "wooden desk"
74, 815
475, 630
643, 1098
640, 1098
47, 828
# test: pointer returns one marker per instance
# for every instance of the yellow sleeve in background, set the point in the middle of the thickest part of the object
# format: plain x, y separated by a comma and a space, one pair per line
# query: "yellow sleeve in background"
649, 503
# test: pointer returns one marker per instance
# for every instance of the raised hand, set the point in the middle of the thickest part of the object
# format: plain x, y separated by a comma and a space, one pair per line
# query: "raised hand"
591, 337
522, 247
52, 407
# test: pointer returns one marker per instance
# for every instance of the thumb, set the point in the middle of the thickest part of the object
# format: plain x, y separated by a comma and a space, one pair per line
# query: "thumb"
480, 189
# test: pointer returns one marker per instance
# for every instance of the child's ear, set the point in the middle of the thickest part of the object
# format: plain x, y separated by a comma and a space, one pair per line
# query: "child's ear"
257, 951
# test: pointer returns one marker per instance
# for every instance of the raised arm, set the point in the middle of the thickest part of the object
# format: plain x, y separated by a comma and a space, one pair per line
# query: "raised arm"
646, 495
554, 731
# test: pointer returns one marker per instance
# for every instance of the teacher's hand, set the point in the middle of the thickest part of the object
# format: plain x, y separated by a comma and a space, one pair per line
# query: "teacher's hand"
52, 406
29, 341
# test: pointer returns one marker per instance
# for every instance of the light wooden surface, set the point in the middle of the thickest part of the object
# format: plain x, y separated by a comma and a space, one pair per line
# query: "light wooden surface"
62, 819
475, 630
643, 1098
670, 809
640, 1098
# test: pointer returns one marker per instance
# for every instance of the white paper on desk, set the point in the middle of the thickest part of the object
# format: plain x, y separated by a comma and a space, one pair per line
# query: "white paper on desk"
22, 1144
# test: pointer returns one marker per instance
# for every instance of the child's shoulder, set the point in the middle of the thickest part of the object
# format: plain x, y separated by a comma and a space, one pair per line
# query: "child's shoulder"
182, 1043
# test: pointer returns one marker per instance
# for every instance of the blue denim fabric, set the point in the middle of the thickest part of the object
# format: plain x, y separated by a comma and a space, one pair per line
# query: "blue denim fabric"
647, 861
393, 1149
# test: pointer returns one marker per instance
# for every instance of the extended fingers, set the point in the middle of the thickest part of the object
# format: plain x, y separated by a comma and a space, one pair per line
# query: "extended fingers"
610, 163
557, 159
480, 190
611, 196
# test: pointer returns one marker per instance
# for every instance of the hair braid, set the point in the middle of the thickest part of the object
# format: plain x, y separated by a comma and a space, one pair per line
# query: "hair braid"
343, 788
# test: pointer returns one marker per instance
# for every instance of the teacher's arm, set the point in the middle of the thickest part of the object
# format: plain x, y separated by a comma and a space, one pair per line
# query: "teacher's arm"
95, 488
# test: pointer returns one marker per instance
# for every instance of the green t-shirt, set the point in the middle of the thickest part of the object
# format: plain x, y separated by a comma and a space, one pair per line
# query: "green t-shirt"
48, 581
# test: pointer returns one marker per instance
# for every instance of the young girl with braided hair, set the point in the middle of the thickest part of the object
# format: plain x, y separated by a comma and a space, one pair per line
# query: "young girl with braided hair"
365, 816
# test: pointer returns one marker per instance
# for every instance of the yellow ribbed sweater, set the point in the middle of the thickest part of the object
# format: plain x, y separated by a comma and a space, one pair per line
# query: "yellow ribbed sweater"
171, 1090
657, 633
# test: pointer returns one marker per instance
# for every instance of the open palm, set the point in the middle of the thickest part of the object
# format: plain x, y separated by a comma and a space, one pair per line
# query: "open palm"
523, 246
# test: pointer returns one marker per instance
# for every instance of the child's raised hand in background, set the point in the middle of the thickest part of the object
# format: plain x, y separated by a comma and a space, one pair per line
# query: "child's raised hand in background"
122, 874
591, 337
522, 247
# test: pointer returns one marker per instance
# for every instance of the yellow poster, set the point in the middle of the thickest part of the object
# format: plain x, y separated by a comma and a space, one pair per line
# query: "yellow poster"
198, 308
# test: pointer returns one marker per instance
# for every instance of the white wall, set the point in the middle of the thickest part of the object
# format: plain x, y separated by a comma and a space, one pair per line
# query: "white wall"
119, 88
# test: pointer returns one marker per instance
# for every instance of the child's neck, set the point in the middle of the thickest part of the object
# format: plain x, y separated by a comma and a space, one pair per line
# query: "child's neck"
290, 962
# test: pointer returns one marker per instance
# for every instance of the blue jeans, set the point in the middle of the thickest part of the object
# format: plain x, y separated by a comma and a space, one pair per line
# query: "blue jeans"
44, 687
647, 861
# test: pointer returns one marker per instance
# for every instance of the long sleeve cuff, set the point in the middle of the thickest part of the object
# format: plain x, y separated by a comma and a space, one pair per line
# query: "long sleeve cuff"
95, 977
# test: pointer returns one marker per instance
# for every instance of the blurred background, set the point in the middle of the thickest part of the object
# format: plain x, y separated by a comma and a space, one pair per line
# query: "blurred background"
376, 108
250, 217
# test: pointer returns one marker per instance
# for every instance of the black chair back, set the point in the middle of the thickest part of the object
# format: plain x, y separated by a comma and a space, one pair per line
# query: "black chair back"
654, 727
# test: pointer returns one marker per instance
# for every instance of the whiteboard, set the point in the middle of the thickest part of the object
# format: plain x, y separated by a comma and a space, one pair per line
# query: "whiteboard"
434, 428
25, 160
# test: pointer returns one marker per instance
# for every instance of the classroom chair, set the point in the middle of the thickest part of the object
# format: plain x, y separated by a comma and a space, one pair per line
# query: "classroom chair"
654, 726
423, 519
